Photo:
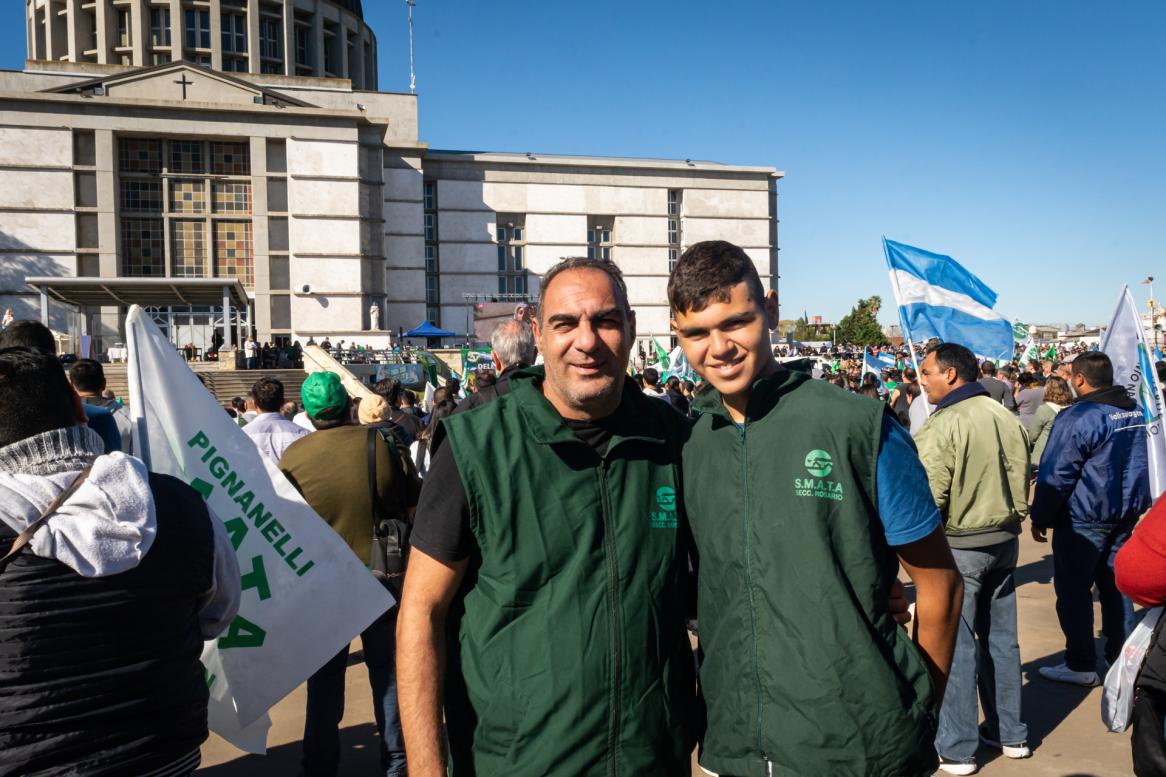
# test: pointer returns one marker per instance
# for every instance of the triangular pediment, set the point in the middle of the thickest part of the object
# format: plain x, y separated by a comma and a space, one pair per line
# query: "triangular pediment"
179, 82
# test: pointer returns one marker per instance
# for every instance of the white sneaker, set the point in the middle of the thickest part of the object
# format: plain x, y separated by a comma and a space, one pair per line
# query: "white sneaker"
1063, 674
1010, 751
957, 768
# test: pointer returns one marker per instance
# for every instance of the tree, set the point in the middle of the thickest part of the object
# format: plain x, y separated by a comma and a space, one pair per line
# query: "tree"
803, 332
860, 326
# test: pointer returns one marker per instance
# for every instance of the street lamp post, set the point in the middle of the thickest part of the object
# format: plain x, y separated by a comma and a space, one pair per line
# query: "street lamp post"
1153, 310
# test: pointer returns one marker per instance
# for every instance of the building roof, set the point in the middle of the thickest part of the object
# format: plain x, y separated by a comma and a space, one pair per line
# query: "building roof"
87, 86
582, 160
147, 292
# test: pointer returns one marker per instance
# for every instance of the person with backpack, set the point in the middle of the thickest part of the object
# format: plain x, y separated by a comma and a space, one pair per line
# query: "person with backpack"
330, 468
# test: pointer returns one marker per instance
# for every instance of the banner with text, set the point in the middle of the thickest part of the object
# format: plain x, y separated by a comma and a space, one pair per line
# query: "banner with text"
305, 594
1125, 345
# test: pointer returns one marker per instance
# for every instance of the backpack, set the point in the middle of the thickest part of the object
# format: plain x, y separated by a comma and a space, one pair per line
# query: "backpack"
390, 541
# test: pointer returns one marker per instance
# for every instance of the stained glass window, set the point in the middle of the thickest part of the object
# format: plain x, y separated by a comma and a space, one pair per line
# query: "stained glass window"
186, 157
232, 196
139, 155
230, 159
141, 195
188, 248
141, 247
187, 195
233, 250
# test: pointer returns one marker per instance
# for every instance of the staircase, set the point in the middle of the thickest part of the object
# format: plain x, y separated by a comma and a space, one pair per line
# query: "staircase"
224, 384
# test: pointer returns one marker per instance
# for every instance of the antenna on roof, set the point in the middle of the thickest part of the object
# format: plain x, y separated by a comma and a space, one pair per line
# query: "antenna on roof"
412, 75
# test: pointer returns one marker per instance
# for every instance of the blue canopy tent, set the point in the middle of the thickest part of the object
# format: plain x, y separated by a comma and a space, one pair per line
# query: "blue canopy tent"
429, 330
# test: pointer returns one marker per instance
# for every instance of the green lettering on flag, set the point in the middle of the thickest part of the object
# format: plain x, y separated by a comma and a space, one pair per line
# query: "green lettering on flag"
236, 530
257, 579
242, 633
202, 487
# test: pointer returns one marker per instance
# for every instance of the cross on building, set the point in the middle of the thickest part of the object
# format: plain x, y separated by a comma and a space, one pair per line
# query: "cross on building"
184, 84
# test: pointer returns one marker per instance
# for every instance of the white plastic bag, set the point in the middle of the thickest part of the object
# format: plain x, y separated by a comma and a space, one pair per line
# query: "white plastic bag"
1117, 702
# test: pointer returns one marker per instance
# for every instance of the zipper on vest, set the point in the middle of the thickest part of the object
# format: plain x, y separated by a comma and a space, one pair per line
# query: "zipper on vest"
612, 599
749, 584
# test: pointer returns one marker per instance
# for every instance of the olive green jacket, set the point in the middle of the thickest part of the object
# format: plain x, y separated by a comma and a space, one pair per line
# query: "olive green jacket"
571, 655
976, 456
805, 672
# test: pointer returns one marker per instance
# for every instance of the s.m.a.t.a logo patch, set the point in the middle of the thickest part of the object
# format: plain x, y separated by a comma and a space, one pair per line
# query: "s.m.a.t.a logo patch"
819, 464
664, 516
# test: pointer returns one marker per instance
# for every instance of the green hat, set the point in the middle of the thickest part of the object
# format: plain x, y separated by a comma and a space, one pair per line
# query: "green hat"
324, 396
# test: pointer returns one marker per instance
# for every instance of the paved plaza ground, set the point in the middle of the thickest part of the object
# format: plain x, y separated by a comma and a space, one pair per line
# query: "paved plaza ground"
1065, 728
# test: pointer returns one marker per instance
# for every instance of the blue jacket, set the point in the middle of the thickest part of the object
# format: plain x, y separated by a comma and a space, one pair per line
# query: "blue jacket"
1093, 471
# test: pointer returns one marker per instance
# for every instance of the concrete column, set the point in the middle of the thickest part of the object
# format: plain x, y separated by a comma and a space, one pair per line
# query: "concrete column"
73, 20
52, 24
289, 38
177, 30
253, 64
44, 306
226, 322
216, 12
318, 35
342, 44
140, 22
106, 32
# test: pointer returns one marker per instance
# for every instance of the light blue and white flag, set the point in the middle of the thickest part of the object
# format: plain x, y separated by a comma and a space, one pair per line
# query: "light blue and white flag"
1125, 345
937, 297
886, 360
871, 365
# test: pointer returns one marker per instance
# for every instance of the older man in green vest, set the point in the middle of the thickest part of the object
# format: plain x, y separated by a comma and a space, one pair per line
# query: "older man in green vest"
803, 501
549, 547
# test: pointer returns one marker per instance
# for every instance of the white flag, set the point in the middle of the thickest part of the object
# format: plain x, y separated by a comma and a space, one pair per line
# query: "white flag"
305, 594
1125, 345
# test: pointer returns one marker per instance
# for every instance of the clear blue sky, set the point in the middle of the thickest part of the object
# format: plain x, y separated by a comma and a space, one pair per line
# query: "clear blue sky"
1026, 139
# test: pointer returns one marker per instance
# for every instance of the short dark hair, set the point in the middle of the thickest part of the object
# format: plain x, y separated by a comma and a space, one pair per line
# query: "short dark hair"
584, 263
390, 389
954, 355
707, 272
1160, 368
651, 376
1095, 367
34, 393
485, 379
988, 368
238, 404
409, 396
268, 394
29, 334
87, 376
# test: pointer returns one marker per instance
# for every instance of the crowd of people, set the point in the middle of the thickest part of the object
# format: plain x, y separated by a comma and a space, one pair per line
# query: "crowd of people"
571, 522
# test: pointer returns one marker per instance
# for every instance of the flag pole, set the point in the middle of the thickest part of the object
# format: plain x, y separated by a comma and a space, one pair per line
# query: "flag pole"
903, 325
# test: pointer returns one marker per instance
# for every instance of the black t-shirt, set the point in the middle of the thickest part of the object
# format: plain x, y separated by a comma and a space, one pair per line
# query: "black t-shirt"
441, 529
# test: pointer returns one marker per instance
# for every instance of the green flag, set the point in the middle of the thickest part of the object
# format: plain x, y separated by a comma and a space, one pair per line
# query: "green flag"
1051, 353
661, 355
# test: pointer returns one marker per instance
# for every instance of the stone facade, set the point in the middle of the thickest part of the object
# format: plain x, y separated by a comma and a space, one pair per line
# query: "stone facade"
319, 197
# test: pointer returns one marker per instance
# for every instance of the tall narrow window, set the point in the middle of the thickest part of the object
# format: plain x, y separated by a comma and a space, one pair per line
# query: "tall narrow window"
124, 37
198, 29
510, 235
674, 228
234, 30
159, 26
599, 237
432, 264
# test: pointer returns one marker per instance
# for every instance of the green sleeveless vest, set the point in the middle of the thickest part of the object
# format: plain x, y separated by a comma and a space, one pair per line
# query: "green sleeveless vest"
805, 673
571, 656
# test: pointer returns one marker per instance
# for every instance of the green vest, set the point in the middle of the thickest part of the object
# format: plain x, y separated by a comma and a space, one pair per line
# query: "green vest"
571, 656
805, 673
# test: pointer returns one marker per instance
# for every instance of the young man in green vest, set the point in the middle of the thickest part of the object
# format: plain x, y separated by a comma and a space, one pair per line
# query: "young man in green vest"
803, 501
549, 543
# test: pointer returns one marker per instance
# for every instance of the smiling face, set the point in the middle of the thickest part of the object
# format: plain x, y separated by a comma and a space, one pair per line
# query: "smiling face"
585, 334
727, 343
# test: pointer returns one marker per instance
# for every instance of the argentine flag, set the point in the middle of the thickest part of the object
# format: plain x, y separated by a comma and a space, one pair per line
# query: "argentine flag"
939, 298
